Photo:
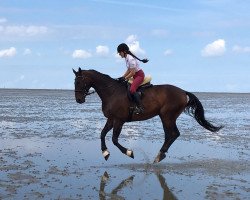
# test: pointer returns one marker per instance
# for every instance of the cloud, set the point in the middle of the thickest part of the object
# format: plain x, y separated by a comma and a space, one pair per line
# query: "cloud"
232, 87
216, 48
3, 20
134, 45
168, 52
27, 52
239, 49
131, 38
102, 50
8, 52
203, 34
160, 33
22, 77
79, 53
23, 31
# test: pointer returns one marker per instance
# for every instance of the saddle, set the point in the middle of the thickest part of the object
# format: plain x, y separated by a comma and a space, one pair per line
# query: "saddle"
146, 80
144, 85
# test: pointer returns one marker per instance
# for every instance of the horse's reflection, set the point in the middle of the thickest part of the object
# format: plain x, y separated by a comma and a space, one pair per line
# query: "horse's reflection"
113, 194
167, 194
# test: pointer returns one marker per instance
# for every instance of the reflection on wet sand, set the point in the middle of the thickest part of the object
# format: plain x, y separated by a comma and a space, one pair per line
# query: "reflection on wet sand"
167, 194
113, 194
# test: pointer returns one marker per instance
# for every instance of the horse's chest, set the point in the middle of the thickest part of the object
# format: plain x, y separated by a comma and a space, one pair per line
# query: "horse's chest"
115, 108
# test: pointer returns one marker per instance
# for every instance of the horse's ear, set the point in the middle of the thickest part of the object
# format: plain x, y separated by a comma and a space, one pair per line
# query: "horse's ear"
74, 71
79, 69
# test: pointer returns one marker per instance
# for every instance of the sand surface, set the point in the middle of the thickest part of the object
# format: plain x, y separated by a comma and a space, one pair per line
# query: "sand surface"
50, 149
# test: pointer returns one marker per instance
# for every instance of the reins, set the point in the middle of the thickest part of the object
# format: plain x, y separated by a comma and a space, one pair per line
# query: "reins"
86, 92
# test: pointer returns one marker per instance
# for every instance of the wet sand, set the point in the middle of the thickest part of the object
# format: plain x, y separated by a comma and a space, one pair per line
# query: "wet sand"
74, 169
50, 149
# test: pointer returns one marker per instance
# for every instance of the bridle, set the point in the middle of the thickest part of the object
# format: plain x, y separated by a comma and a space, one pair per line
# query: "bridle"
84, 90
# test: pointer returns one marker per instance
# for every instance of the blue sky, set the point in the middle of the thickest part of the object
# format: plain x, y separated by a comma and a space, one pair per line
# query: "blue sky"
198, 45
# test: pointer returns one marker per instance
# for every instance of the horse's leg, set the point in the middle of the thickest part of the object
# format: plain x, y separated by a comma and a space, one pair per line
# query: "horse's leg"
108, 126
117, 127
171, 134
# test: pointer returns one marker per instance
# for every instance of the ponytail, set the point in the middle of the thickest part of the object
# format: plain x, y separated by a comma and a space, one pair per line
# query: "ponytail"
143, 60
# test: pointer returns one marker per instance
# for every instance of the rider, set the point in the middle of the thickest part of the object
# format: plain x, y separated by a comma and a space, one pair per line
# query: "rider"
133, 70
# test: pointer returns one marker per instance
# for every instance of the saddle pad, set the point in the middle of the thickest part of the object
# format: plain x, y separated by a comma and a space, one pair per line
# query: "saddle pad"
147, 79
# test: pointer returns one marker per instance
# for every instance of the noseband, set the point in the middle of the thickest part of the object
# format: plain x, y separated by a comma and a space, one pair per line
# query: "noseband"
84, 90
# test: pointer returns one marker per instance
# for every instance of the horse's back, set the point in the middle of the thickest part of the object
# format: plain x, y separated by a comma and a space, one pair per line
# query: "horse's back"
167, 91
166, 97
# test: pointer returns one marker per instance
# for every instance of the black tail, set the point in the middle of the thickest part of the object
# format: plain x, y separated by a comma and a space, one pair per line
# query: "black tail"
195, 109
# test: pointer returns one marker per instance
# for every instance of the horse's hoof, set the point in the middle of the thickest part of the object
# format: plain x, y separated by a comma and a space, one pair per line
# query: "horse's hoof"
130, 154
106, 154
159, 157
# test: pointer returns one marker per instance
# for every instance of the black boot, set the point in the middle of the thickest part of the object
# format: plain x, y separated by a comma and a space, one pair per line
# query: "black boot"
139, 107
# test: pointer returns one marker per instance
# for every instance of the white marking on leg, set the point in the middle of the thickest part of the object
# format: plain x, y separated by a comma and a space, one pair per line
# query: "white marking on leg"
105, 153
129, 153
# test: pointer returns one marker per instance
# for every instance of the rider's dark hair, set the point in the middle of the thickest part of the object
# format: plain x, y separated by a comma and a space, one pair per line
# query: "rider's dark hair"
124, 48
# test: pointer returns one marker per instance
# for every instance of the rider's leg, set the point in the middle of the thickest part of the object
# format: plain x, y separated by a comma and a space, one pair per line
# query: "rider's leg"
138, 79
139, 106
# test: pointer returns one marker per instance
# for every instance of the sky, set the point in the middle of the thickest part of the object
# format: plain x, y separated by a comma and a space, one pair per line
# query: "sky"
197, 45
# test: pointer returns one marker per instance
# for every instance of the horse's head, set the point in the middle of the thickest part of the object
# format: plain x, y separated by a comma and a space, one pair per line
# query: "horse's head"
82, 85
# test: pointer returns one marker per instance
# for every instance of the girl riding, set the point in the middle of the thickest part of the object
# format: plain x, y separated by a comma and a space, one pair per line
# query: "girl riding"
133, 70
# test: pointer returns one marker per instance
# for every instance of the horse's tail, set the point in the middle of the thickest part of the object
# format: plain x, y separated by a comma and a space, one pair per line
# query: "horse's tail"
195, 109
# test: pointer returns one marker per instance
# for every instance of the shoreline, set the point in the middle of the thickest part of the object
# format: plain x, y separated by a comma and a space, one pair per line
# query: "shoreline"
44, 89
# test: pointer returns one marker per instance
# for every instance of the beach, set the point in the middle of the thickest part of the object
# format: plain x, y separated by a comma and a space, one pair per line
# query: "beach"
50, 148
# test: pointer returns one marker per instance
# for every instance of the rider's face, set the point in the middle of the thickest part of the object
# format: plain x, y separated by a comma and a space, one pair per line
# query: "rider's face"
122, 54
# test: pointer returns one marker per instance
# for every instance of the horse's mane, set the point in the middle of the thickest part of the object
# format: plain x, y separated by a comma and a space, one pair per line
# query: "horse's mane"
100, 75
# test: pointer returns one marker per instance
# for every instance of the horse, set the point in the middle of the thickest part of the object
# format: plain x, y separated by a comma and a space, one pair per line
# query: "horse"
166, 101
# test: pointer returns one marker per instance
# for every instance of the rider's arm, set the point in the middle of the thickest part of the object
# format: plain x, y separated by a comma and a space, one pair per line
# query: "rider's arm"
126, 73
131, 73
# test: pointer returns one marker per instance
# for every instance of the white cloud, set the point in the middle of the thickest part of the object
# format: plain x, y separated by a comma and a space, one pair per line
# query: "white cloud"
21, 78
79, 53
216, 48
3, 20
8, 52
168, 52
134, 45
203, 34
239, 49
22, 31
102, 50
131, 38
160, 33
231, 87
27, 52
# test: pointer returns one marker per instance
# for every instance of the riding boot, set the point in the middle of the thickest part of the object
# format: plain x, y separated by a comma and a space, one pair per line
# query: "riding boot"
139, 107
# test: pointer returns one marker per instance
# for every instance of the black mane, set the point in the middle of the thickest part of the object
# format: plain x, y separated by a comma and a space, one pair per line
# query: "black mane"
101, 75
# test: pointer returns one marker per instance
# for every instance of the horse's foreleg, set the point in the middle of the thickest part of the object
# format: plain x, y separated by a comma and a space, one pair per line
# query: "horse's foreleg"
116, 132
171, 134
108, 126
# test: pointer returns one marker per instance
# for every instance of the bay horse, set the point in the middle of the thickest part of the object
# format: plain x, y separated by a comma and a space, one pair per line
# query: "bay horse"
166, 101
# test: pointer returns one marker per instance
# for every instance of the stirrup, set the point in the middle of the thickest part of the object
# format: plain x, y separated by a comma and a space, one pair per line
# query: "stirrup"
138, 110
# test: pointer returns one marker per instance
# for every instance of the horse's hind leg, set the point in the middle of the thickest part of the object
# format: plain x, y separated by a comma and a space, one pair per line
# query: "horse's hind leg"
108, 126
171, 134
116, 132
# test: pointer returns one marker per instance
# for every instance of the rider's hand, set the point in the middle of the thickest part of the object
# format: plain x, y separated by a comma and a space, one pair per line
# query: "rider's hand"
121, 79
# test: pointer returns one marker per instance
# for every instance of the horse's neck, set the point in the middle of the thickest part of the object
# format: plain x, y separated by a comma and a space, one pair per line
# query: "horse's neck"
105, 88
